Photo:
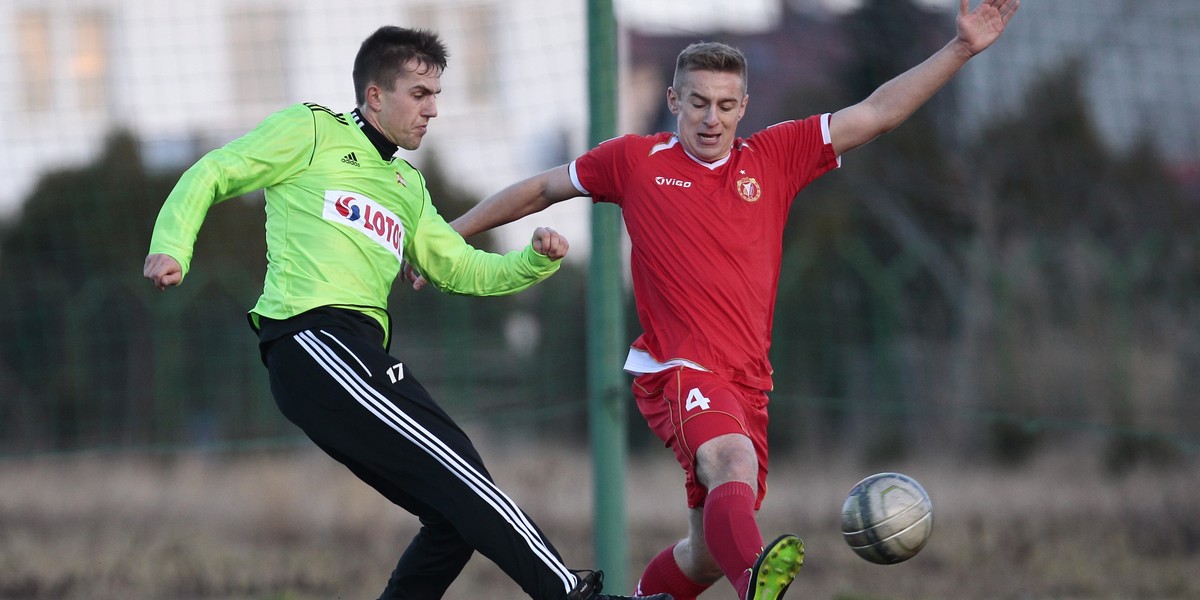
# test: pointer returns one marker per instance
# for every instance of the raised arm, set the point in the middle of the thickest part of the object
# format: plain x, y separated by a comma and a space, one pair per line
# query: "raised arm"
517, 200
899, 98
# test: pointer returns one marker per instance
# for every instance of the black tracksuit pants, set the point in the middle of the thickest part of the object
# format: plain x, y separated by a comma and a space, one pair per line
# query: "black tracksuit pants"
334, 379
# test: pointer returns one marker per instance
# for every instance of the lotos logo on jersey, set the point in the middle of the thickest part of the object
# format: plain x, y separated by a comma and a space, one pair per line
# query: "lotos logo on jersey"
346, 208
367, 217
749, 189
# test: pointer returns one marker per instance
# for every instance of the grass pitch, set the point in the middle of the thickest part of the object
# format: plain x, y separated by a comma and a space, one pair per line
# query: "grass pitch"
294, 525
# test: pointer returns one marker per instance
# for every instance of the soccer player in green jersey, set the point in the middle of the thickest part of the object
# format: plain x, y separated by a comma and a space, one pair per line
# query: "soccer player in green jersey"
343, 214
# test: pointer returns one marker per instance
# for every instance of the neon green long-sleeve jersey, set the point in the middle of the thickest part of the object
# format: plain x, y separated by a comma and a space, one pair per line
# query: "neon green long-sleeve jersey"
340, 218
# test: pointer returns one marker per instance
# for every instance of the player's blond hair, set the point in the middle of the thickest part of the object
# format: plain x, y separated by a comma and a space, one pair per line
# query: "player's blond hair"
711, 56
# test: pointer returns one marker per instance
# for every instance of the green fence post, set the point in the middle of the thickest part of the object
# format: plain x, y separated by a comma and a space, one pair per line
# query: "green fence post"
606, 410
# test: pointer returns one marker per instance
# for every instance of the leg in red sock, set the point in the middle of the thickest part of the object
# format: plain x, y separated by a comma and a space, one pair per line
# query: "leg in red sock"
664, 575
731, 531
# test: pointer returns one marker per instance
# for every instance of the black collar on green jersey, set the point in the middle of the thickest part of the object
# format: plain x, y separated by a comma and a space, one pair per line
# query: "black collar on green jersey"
386, 149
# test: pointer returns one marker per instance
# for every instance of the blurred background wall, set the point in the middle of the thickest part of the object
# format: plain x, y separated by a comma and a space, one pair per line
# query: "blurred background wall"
1016, 267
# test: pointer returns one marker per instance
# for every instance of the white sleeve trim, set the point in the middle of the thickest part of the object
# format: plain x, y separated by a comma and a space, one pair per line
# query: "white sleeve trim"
825, 137
575, 180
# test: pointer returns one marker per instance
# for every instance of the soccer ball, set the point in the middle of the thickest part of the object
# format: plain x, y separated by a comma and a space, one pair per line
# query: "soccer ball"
887, 518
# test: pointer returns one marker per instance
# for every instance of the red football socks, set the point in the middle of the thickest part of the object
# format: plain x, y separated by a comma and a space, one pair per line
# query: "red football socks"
664, 575
731, 531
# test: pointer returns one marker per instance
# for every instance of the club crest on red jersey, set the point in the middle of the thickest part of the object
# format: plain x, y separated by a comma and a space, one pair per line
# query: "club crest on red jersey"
748, 189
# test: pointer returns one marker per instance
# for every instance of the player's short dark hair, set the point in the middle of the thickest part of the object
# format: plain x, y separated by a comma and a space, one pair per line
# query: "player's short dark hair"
385, 53
710, 56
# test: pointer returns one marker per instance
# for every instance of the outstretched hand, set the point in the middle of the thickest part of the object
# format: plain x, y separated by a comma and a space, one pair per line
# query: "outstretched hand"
162, 270
978, 28
549, 243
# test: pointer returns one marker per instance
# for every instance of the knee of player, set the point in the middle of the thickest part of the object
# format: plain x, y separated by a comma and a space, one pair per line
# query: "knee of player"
727, 458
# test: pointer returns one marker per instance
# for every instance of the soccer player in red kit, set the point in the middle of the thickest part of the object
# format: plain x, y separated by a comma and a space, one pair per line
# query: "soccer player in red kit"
705, 212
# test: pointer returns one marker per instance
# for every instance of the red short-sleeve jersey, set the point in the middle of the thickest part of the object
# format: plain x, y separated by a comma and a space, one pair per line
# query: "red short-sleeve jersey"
708, 237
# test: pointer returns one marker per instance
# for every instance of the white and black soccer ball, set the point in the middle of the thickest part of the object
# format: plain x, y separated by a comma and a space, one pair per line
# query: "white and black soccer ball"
887, 518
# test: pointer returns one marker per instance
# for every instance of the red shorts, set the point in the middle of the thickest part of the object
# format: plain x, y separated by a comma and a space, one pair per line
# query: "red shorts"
687, 407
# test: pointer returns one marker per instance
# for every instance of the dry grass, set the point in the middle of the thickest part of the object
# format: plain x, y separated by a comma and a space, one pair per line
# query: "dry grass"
295, 526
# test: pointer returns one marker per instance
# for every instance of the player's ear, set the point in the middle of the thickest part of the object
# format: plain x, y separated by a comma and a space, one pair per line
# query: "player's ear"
372, 97
672, 100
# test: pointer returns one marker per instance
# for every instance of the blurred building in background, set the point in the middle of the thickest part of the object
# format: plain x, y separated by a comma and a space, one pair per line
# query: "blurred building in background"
185, 77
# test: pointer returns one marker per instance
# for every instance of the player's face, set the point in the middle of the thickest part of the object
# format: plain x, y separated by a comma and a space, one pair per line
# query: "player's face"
403, 113
707, 107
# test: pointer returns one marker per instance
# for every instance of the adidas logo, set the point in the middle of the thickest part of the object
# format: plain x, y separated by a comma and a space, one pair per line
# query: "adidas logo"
350, 159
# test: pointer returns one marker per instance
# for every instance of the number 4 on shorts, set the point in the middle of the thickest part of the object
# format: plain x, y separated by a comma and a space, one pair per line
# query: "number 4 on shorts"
695, 399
